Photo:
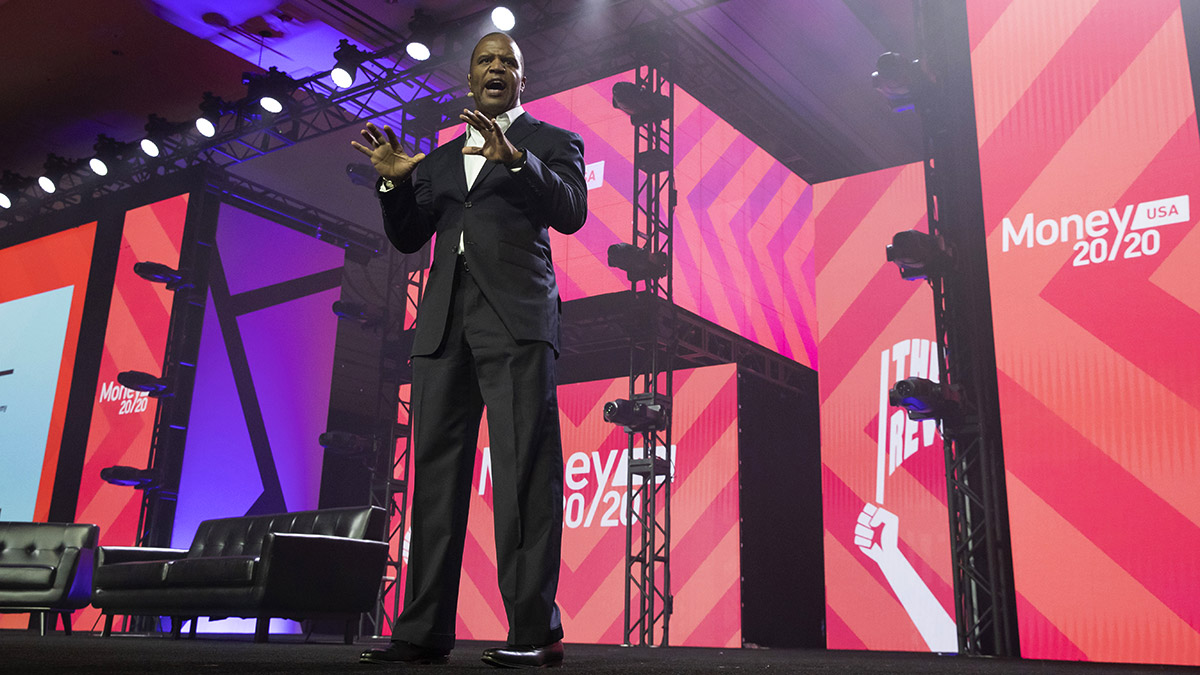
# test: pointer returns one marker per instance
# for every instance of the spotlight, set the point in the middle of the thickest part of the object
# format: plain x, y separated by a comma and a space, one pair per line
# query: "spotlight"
923, 399
211, 110
55, 168
11, 185
128, 476
417, 50
345, 443
155, 387
349, 58
642, 105
157, 131
109, 151
356, 312
645, 412
639, 264
917, 254
900, 80
161, 274
503, 18
421, 28
270, 89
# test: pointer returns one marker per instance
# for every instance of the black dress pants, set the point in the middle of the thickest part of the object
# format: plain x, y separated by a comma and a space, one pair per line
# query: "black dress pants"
478, 365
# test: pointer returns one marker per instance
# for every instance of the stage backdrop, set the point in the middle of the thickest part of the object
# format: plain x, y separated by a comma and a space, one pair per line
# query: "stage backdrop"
705, 569
262, 379
42, 286
887, 553
1089, 156
743, 253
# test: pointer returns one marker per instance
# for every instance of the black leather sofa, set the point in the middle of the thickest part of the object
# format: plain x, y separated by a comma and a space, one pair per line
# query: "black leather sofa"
46, 569
305, 565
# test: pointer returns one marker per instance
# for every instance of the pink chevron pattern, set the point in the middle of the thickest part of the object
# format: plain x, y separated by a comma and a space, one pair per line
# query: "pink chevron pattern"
705, 549
1090, 155
135, 338
876, 328
743, 256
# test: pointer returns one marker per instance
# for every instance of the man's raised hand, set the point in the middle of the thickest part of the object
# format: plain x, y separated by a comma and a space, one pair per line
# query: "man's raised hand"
495, 146
388, 158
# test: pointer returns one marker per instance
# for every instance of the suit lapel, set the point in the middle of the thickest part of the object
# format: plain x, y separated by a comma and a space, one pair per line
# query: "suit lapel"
521, 128
456, 168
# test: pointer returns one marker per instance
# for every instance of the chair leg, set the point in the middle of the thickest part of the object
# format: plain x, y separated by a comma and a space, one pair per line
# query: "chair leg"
108, 619
192, 630
262, 628
66, 622
176, 627
44, 623
351, 630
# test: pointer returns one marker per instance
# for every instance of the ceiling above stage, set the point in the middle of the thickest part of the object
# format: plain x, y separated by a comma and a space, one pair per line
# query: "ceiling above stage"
793, 75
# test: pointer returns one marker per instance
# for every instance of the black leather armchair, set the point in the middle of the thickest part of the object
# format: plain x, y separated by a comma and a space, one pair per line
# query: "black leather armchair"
46, 569
309, 564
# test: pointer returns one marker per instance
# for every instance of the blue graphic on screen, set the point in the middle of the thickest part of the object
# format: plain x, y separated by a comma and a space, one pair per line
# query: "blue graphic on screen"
33, 330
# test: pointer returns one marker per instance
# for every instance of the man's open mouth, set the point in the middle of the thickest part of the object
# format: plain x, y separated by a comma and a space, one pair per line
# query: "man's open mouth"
495, 86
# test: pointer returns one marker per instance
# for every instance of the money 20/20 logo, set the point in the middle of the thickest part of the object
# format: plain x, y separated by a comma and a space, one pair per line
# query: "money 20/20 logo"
1133, 229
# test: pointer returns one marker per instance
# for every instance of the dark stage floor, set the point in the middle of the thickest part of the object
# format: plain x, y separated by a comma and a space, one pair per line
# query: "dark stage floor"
23, 652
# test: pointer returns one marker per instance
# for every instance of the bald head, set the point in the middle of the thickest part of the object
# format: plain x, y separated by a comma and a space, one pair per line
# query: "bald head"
496, 76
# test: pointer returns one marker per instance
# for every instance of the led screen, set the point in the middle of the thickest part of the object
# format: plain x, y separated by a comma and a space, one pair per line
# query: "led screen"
705, 570
742, 251
42, 287
887, 555
1089, 156
136, 335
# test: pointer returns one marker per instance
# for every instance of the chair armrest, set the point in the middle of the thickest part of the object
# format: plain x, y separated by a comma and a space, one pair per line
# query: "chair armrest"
111, 555
321, 572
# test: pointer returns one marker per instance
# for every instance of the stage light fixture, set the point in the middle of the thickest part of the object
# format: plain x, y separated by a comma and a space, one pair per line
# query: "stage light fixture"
55, 168
639, 264
417, 50
270, 89
161, 274
128, 476
348, 58
643, 413
109, 151
503, 18
152, 385
157, 131
923, 399
212, 108
642, 105
917, 254
421, 30
345, 443
900, 80
356, 312
11, 185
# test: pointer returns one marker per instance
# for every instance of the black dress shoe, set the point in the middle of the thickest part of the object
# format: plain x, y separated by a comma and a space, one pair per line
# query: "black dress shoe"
405, 652
524, 656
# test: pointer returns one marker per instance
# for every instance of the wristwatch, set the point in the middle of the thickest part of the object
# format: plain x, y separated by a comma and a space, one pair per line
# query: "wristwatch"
517, 164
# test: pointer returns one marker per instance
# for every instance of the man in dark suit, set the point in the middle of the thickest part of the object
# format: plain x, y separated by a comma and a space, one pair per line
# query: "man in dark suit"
487, 334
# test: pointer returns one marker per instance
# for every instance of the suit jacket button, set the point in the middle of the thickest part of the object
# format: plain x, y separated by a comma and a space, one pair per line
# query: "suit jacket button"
467, 205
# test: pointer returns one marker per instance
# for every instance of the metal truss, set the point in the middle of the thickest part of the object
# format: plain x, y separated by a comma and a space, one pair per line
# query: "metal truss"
393, 446
648, 599
564, 49
984, 597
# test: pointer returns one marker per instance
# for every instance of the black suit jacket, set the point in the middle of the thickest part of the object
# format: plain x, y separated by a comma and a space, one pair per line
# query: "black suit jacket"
504, 218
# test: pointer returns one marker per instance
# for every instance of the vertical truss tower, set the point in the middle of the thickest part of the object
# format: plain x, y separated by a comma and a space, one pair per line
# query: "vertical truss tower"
648, 600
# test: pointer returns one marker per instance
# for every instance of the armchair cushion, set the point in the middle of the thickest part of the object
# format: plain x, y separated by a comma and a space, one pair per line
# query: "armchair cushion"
46, 565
